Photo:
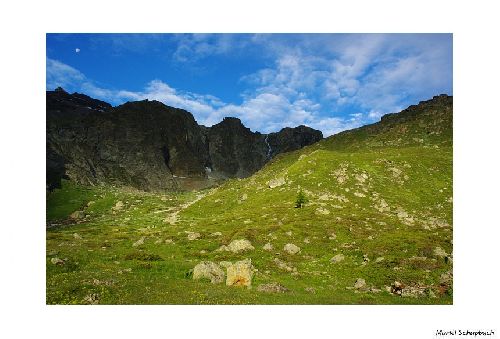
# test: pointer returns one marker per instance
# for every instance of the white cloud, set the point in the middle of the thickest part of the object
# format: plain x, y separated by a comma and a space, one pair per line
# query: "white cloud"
60, 74
193, 47
379, 72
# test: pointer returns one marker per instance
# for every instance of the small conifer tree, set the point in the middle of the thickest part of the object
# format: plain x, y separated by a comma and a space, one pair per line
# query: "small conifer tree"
301, 200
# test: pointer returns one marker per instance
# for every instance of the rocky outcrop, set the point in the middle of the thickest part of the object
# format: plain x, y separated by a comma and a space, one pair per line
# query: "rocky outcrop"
291, 139
240, 273
234, 150
291, 249
236, 246
208, 270
151, 146
426, 124
273, 287
141, 144
337, 258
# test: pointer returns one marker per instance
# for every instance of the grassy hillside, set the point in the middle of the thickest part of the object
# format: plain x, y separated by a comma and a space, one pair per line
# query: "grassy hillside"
379, 204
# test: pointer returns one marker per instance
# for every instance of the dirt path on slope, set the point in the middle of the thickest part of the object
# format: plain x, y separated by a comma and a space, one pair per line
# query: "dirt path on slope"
173, 217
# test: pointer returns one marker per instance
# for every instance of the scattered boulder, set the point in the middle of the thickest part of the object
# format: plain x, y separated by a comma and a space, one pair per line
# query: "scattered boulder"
284, 266
397, 288
92, 299
208, 270
446, 277
382, 206
439, 252
238, 245
396, 172
341, 173
410, 291
310, 290
172, 219
404, 217
332, 236
216, 234
273, 183
361, 178
193, 235
414, 292
240, 273
322, 211
379, 259
337, 258
291, 249
57, 261
118, 206
272, 288
139, 242
77, 215
360, 283
268, 247
77, 236
433, 223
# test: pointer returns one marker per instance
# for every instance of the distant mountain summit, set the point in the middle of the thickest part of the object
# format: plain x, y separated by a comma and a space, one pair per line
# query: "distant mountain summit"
427, 124
151, 146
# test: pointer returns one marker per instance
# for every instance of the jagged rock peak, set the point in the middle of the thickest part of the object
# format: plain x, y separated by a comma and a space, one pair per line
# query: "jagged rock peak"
60, 100
149, 145
231, 122
291, 139
437, 104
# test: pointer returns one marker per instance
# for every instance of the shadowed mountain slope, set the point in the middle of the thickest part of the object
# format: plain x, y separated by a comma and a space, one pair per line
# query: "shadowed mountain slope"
151, 146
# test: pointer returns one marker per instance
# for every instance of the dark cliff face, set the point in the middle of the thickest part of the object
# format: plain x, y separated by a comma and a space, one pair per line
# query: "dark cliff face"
140, 144
151, 146
291, 139
234, 150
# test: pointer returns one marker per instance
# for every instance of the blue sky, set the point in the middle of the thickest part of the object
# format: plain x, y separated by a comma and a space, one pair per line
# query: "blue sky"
331, 82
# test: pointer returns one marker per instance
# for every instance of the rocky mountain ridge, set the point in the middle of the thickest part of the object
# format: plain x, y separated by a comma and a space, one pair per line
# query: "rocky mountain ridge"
428, 123
151, 146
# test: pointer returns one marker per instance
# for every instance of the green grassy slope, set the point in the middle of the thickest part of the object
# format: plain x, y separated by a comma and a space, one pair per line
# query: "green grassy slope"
380, 195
